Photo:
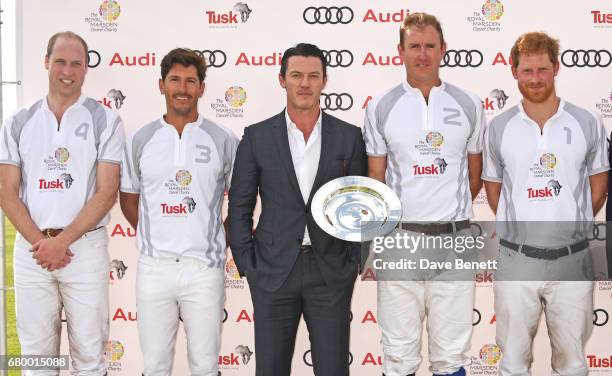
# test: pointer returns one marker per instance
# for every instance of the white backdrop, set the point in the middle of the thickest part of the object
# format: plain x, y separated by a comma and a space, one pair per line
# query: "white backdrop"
128, 39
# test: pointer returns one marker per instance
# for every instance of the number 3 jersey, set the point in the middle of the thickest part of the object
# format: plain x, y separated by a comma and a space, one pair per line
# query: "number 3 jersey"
58, 161
426, 145
181, 182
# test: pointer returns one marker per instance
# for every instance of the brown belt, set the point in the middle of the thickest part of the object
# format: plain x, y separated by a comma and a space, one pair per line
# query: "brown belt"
53, 232
435, 228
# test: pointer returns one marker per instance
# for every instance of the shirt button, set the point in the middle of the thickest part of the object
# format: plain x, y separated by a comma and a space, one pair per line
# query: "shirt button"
177, 260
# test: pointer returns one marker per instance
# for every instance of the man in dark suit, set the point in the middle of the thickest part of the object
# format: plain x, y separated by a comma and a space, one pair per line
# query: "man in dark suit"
293, 267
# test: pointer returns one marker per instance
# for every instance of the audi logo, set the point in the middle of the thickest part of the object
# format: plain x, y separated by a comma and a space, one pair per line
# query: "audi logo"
214, 58
334, 101
93, 55
328, 15
477, 317
586, 58
308, 358
599, 232
596, 319
338, 58
462, 58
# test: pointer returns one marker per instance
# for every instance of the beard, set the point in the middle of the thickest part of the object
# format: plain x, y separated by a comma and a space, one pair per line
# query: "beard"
540, 96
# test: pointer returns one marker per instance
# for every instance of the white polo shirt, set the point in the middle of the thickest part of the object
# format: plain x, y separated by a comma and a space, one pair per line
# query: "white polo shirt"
545, 173
58, 161
181, 182
426, 145
305, 157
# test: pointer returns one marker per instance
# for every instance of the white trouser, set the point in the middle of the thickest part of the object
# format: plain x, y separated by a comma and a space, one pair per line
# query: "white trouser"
448, 304
169, 288
81, 288
568, 309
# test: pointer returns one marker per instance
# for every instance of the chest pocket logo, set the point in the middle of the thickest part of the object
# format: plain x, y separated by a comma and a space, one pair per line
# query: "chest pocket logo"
453, 114
203, 154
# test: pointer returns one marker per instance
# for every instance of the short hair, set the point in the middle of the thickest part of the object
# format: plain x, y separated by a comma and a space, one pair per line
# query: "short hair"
419, 21
303, 49
534, 42
186, 58
66, 34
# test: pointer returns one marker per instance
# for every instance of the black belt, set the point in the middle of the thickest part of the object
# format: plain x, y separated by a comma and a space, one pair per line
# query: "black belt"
306, 248
53, 232
546, 253
435, 228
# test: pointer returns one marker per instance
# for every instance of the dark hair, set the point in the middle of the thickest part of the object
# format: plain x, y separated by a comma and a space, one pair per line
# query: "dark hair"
66, 34
186, 58
303, 49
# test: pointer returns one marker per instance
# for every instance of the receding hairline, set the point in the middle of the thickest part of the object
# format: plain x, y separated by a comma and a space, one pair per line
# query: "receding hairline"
67, 35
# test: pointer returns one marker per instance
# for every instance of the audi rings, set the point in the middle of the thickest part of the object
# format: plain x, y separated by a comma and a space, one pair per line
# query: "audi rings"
599, 232
586, 58
214, 58
334, 101
604, 317
93, 56
328, 15
338, 58
462, 58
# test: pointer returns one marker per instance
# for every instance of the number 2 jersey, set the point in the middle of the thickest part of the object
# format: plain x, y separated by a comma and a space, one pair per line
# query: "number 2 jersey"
426, 145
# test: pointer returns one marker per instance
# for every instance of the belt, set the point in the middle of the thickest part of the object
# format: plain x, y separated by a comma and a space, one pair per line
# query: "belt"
435, 228
53, 232
545, 253
306, 248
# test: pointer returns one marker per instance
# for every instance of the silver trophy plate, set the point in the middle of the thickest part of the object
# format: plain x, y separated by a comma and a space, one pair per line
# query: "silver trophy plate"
356, 208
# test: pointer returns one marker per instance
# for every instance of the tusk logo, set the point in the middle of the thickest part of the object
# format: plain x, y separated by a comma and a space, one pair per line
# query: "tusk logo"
119, 268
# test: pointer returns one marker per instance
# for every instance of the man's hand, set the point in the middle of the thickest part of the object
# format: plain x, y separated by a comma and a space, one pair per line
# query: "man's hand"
51, 253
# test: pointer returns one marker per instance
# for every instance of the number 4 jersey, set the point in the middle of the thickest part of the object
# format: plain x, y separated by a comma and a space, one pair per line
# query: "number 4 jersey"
181, 181
58, 161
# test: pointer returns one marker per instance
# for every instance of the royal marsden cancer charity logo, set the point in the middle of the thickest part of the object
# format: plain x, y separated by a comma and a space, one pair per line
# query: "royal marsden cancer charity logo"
487, 362
490, 354
605, 107
430, 145
113, 352
545, 166
183, 178
488, 17
105, 18
180, 183
232, 103
232, 277
58, 161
